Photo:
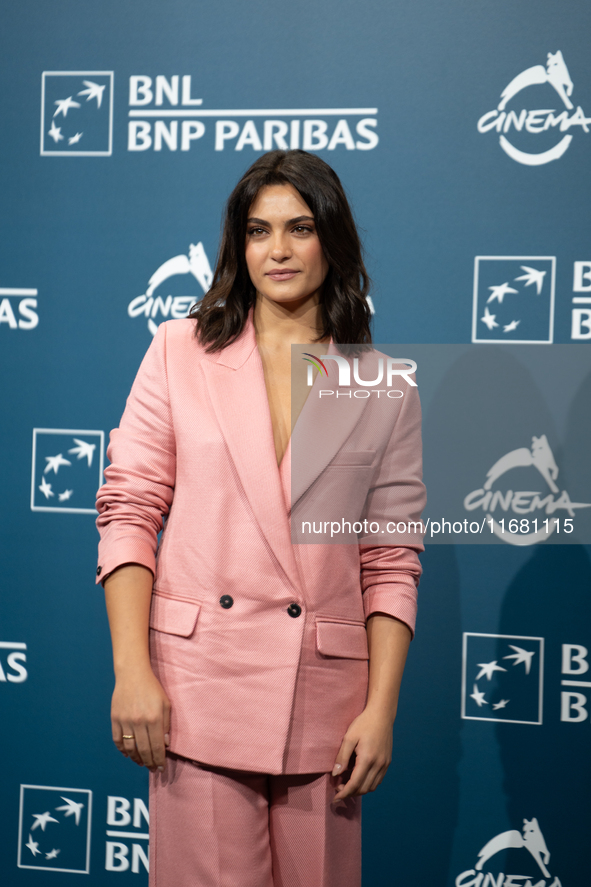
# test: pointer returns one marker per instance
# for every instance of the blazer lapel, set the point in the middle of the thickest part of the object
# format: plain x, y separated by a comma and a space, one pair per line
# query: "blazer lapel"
236, 386
324, 424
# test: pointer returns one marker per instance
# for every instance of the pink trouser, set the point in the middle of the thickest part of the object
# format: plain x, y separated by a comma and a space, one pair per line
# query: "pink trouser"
211, 827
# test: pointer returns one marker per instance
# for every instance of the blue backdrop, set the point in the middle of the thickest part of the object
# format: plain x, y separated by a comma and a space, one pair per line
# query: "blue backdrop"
460, 132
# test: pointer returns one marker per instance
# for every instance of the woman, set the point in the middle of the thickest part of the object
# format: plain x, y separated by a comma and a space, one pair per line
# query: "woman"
241, 660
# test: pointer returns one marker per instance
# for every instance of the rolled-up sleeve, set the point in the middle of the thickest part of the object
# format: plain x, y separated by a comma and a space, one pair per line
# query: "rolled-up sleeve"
139, 482
390, 572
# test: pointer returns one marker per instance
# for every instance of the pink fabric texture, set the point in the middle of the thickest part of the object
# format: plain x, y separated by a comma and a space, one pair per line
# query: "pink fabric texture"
252, 686
212, 827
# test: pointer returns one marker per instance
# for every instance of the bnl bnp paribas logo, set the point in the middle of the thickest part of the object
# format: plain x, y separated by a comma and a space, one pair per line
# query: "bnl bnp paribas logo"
165, 116
502, 678
513, 299
67, 469
535, 137
54, 829
77, 113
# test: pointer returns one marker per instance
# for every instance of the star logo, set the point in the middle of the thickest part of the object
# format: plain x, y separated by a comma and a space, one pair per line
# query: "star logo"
41, 820
54, 462
81, 102
488, 668
55, 132
478, 697
93, 91
520, 656
533, 276
45, 488
67, 469
506, 284
489, 319
512, 668
33, 846
64, 105
72, 808
57, 839
499, 292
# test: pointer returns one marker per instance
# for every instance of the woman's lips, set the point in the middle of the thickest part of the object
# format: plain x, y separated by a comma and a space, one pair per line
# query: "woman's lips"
287, 274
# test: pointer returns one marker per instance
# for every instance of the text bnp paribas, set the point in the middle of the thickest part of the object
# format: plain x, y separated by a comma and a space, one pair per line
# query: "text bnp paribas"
164, 115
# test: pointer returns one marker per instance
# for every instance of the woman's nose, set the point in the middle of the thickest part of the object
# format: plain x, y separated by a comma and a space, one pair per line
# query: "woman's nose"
280, 247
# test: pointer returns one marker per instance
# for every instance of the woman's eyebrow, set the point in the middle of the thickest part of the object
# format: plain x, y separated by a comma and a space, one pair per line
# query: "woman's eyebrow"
289, 221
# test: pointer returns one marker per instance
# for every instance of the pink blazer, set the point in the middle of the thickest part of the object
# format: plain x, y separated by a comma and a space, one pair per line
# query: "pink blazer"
260, 644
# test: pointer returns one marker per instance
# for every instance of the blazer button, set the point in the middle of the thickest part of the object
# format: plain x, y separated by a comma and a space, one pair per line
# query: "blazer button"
99, 570
226, 601
294, 610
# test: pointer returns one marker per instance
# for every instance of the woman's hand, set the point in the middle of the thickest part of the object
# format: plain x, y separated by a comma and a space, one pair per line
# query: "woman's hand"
370, 738
140, 708
370, 735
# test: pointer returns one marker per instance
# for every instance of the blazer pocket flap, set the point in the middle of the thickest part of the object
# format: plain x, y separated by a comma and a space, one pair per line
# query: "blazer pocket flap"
346, 640
173, 616
356, 459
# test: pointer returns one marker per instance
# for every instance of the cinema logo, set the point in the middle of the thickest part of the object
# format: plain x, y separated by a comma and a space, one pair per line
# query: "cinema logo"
534, 508
508, 123
387, 371
161, 301
510, 843
164, 114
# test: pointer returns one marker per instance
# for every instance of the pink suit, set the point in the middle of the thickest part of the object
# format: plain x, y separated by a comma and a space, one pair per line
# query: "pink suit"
260, 644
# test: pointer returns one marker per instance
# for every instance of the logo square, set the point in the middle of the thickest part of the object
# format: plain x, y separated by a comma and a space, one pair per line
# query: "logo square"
502, 678
77, 113
54, 829
67, 469
514, 299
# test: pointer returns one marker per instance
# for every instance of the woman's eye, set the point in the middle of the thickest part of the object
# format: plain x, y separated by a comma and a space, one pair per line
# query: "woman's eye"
256, 231
303, 229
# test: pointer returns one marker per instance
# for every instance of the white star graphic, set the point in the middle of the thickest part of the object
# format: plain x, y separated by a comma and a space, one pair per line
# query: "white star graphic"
499, 292
33, 846
64, 105
72, 808
45, 488
41, 819
489, 319
487, 668
75, 138
521, 655
55, 132
54, 462
94, 91
83, 450
63, 497
511, 326
532, 275
52, 854
501, 704
478, 697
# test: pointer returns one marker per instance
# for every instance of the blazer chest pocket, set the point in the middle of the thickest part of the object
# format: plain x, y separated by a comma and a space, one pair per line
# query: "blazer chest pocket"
346, 640
173, 616
351, 459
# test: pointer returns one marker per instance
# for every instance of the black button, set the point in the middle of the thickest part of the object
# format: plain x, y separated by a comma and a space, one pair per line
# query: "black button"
226, 601
294, 610
99, 570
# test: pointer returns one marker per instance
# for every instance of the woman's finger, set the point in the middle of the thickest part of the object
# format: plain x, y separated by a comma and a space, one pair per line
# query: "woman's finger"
355, 781
344, 756
128, 742
142, 741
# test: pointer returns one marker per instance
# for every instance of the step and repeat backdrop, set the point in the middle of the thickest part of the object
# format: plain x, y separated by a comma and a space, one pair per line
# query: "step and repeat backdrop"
462, 133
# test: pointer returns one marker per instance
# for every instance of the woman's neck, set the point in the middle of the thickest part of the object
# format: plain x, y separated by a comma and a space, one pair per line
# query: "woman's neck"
279, 325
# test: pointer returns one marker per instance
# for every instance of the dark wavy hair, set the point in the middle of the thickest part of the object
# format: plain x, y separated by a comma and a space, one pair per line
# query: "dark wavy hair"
344, 311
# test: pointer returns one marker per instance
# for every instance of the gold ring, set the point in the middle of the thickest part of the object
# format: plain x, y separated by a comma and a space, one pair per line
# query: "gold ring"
128, 737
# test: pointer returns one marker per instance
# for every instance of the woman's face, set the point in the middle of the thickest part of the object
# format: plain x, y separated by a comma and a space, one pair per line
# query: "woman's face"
283, 253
